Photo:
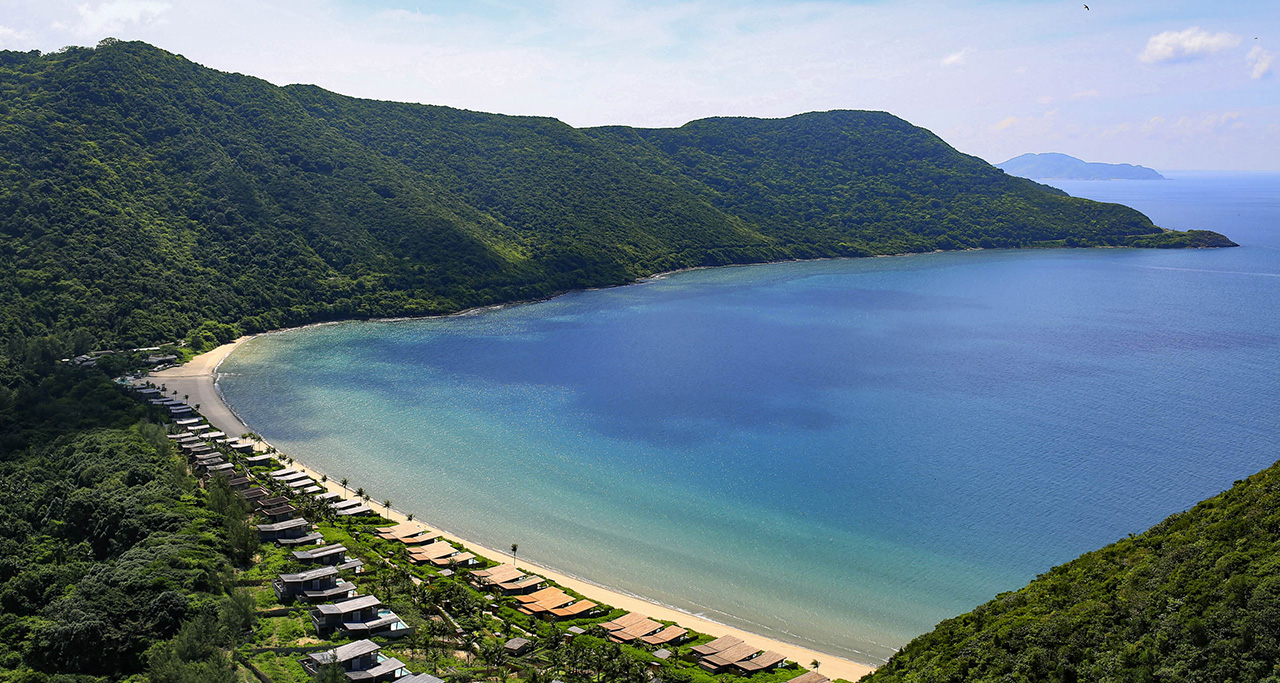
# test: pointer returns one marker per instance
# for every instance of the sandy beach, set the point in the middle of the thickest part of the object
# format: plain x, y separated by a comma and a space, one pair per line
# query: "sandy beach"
196, 380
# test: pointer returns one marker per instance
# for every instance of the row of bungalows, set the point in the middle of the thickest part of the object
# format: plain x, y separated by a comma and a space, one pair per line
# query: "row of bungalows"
507, 579
300, 482
361, 616
363, 661
176, 408
556, 603
634, 627
731, 653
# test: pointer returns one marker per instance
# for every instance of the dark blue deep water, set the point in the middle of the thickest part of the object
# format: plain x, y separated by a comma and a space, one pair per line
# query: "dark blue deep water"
837, 453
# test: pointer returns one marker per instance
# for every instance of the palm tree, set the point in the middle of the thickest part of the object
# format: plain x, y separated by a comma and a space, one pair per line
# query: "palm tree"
386, 504
344, 482
494, 655
514, 548
815, 664
360, 492
409, 516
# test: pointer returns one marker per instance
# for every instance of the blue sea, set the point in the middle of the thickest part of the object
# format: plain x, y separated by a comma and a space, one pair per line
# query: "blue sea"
835, 453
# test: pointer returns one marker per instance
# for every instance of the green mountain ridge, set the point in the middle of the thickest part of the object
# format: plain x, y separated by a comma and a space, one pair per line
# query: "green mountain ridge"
142, 195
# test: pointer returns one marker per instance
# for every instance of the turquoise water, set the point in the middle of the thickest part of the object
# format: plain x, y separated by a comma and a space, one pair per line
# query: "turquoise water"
836, 453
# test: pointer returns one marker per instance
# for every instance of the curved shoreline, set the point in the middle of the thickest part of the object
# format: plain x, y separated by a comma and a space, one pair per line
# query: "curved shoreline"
197, 379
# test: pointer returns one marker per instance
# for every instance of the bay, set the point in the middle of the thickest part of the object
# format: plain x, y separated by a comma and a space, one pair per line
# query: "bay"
834, 453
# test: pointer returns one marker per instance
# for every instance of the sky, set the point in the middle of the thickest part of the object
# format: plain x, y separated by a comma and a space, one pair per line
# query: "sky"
1170, 84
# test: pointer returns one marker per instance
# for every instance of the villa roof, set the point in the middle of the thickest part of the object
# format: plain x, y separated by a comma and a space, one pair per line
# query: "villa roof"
764, 660
502, 573
638, 630
313, 537
537, 596
309, 575
574, 609
353, 605
319, 552
433, 551
810, 677
399, 531
294, 523
346, 653
731, 655
386, 666
717, 645
624, 621
664, 636
520, 583
459, 558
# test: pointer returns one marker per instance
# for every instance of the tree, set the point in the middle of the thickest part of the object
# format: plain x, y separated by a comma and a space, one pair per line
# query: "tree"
238, 616
330, 673
514, 547
494, 655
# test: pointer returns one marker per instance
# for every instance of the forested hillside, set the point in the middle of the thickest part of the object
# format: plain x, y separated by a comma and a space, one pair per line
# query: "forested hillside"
108, 549
142, 195
1195, 598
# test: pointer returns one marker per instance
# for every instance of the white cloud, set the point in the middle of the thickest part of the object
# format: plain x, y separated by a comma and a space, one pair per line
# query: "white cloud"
11, 38
1086, 94
1189, 44
1042, 125
1259, 61
956, 58
113, 16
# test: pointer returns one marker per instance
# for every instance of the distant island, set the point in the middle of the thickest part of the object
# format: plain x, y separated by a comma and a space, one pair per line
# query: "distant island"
1055, 166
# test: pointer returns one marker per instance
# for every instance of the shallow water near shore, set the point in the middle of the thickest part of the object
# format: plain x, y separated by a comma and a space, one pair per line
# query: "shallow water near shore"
837, 453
